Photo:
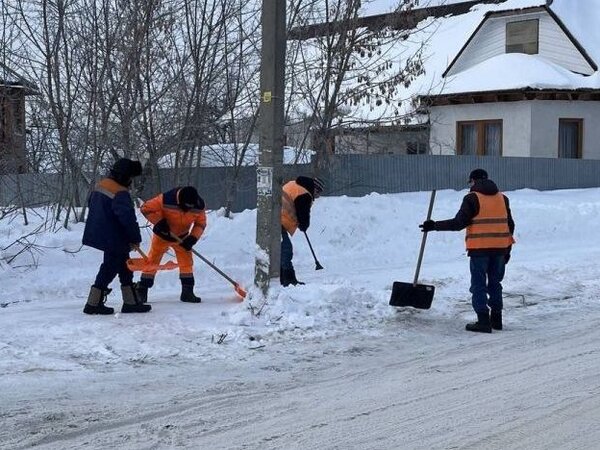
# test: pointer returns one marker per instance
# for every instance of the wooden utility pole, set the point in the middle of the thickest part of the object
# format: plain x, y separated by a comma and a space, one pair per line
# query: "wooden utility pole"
271, 122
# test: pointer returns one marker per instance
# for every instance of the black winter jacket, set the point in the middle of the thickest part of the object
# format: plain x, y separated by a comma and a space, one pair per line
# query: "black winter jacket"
304, 202
111, 225
469, 209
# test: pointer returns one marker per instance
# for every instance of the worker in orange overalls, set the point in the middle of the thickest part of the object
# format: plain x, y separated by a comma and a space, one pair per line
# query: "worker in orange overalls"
296, 200
179, 212
485, 213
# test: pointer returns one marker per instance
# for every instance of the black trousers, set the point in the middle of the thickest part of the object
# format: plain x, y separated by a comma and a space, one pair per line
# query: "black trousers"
114, 264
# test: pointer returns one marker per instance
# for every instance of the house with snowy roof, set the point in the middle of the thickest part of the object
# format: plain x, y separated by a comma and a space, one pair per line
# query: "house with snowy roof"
503, 77
523, 84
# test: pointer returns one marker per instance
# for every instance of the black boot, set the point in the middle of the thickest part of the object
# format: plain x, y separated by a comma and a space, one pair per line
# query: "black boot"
95, 302
287, 277
187, 294
141, 292
482, 325
295, 281
496, 319
131, 304
284, 277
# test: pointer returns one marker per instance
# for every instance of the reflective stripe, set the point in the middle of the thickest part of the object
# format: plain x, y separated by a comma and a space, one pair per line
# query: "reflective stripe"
487, 235
488, 221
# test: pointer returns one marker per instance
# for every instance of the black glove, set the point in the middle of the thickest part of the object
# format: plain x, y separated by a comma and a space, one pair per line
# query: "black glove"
506, 258
188, 242
302, 227
161, 229
427, 226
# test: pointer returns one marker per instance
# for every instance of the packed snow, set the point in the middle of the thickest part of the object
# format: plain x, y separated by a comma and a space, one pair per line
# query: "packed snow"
196, 375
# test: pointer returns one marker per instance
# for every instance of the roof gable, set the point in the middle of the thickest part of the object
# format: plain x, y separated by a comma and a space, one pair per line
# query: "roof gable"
557, 43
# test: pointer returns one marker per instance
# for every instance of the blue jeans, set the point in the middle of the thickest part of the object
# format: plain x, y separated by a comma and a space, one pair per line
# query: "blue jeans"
114, 264
487, 273
287, 251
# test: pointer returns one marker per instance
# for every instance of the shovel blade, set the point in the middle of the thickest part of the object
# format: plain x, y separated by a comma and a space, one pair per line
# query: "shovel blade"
240, 291
418, 296
142, 265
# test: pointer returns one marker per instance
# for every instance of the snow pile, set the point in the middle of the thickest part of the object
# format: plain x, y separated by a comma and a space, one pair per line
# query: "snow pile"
363, 243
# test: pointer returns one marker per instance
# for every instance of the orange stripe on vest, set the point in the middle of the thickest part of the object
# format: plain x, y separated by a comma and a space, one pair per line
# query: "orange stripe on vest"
291, 191
489, 228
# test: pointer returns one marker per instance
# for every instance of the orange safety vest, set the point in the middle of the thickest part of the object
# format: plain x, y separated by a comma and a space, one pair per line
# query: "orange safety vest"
179, 221
291, 191
489, 228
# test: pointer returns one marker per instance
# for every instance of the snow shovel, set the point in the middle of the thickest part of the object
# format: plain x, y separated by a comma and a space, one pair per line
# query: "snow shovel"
412, 294
143, 265
318, 265
239, 290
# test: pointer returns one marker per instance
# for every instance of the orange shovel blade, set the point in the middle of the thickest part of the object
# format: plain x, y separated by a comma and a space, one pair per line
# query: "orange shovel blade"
240, 291
142, 265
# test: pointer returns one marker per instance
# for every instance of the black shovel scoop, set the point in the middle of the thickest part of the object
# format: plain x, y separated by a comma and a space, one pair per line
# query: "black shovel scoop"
412, 294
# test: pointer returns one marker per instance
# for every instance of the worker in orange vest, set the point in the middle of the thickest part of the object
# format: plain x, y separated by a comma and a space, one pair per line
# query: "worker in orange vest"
297, 198
485, 213
178, 212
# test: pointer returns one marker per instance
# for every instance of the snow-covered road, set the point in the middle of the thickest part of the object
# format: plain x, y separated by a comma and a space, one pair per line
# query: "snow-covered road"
534, 386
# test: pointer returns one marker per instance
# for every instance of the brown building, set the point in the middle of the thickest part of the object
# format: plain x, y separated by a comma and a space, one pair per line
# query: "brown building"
13, 90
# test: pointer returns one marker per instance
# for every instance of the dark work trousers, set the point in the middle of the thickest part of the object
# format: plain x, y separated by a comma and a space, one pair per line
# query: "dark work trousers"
287, 251
114, 264
487, 273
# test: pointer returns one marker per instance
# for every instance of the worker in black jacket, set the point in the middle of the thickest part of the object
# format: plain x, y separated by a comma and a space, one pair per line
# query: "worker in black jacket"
485, 213
296, 200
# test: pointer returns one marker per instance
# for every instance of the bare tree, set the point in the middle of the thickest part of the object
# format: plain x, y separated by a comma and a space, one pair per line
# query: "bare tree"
350, 76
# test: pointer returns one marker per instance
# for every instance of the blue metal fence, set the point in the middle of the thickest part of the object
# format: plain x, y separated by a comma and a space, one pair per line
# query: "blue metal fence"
352, 175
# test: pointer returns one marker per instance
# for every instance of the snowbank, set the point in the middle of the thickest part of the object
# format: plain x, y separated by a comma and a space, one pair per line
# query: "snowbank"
363, 243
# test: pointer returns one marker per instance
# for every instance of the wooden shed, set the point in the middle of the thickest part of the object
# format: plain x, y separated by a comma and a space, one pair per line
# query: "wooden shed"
13, 91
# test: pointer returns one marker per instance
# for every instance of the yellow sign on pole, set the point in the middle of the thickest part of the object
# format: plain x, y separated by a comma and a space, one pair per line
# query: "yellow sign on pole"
267, 97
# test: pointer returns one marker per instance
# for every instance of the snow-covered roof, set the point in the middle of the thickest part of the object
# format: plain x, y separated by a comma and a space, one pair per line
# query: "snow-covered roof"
11, 79
224, 155
443, 39
517, 71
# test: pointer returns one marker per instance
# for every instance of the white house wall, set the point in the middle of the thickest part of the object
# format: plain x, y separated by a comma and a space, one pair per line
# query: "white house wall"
516, 125
545, 120
554, 44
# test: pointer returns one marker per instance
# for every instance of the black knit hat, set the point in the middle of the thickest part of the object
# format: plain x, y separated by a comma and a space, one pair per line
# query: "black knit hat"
188, 197
478, 174
124, 170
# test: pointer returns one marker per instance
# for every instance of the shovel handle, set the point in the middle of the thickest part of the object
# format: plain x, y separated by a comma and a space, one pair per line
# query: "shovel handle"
424, 239
212, 266
138, 249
